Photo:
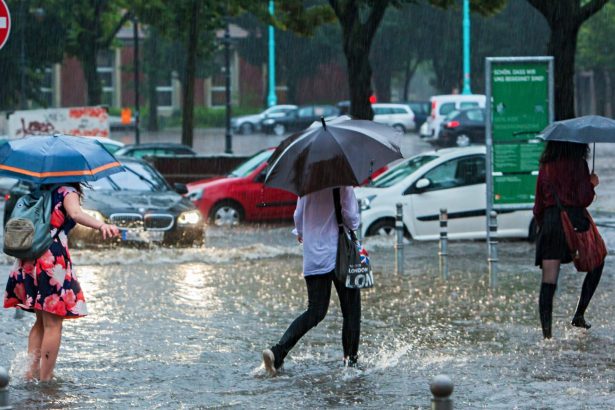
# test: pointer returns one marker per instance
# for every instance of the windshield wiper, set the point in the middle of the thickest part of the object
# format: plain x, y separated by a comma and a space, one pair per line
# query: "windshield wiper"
142, 178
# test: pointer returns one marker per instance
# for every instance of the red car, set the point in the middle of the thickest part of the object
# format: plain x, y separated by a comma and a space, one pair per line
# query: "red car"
241, 196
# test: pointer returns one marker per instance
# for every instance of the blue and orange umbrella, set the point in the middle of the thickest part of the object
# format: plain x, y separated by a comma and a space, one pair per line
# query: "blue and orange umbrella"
56, 159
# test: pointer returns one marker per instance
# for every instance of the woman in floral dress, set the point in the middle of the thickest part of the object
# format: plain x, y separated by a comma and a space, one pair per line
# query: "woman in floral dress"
48, 286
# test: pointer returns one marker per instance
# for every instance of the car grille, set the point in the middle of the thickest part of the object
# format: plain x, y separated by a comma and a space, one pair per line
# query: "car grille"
159, 222
153, 222
127, 220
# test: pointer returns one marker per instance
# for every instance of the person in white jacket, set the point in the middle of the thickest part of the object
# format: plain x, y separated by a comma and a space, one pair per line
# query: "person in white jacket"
316, 227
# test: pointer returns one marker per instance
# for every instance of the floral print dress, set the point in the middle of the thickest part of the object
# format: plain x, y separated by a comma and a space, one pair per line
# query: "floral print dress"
49, 283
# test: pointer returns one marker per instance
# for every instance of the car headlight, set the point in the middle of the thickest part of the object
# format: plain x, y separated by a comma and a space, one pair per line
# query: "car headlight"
366, 202
189, 218
195, 195
94, 214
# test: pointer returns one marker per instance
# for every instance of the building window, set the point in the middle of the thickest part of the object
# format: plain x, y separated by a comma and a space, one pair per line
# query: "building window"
105, 68
46, 89
218, 82
165, 95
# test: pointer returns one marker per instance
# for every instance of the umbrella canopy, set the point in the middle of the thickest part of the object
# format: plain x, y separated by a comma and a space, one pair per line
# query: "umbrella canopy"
56, 159
584, 130
334, 153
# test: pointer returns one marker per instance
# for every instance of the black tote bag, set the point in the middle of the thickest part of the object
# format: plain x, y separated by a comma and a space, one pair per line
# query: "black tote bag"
352, 265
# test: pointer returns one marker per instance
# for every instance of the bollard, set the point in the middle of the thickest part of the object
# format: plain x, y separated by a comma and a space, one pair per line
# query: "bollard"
399, 244
441, 388
493, 249
4, 390
443, 247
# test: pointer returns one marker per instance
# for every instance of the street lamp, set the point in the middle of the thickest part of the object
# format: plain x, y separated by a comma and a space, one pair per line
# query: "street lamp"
227, 85
135, 32
466, 47
271, 98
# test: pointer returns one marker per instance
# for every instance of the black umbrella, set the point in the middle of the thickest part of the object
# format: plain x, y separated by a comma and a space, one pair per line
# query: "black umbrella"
333, 153
583, 130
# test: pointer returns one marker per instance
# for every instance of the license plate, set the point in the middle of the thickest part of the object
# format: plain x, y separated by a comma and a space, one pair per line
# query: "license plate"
140, 235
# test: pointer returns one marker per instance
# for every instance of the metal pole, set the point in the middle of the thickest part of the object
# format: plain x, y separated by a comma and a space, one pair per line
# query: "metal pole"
227, 85
399, 244
443, 246
488, 147
441, 388
466, 47
4, 390
135, 31
493, 249
22, 56
272, 99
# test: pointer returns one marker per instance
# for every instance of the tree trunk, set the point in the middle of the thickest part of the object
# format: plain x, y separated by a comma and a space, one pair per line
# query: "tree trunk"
93, 82
382, 81
410, 70
188, 85
359, 81
562, 46
152, 68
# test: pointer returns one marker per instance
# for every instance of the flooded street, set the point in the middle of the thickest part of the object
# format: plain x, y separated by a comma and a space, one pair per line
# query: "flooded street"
185, 328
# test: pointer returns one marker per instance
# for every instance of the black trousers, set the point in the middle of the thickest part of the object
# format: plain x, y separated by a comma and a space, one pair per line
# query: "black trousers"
319, 295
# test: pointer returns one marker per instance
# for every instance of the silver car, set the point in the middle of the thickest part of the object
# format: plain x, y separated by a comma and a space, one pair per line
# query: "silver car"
247, 124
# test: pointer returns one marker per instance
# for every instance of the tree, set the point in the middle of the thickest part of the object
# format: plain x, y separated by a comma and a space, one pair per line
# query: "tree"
44, 42
565, 18
92, 26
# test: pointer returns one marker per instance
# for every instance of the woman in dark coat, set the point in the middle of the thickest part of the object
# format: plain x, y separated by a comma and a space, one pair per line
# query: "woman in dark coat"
564, 172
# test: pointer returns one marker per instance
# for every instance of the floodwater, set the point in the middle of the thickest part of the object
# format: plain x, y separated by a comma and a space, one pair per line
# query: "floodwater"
185, 328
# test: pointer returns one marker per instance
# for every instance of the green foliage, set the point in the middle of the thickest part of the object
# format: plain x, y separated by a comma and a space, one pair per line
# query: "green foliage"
209, 117
596, 49
44, 41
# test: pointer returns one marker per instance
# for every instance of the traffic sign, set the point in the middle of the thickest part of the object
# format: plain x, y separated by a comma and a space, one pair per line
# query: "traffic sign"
5, 23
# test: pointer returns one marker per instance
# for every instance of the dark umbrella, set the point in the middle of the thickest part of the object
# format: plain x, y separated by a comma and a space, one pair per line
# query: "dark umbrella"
56, 159
582, 130
333, 153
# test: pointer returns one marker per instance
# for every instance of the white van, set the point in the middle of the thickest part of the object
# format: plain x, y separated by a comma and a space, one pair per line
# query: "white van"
442, 105
398, 116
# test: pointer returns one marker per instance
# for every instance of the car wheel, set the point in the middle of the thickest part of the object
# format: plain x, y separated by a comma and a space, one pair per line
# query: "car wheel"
226, 213
246, 128
382, 227
462, 140
279, 129
399, 128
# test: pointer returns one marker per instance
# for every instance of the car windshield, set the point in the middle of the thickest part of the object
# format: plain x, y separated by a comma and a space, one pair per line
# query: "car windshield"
401, 171
250, 165
136, 177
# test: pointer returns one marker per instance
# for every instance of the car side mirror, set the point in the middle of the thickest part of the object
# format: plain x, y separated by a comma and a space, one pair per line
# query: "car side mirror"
260, 178
422, 184
180, 188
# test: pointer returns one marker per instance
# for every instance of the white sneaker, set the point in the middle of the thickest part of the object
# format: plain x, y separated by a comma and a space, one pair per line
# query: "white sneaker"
268, 362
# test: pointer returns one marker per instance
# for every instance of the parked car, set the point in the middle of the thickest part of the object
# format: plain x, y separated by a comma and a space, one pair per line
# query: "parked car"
398, 116
462, 128
421, 110
247, 124
299, 119
452, 178
6, 184
139, 201
155, 150
442, 105
241, 196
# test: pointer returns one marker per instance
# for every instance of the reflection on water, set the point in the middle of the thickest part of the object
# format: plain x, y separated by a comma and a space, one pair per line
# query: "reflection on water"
183, 328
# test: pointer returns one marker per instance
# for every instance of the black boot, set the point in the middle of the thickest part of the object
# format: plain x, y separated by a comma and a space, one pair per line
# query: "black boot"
592, 278
545, 307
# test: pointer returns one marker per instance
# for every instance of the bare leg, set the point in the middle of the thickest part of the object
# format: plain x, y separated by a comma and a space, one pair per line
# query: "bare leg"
34, 347
51, 344
550, 272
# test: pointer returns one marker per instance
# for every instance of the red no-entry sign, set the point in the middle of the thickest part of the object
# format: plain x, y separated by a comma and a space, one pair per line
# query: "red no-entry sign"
5, 23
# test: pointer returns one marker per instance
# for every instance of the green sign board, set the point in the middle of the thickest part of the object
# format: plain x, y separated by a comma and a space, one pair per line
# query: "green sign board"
520, 106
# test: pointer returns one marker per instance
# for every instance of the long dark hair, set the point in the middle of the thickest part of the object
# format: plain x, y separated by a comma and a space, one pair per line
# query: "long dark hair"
75, 185
556, 150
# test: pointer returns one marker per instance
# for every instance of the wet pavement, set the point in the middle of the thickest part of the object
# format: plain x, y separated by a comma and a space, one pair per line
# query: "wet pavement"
184, 329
